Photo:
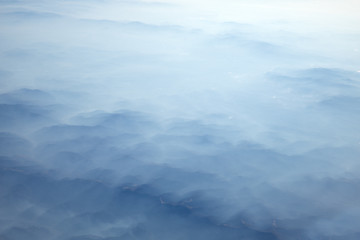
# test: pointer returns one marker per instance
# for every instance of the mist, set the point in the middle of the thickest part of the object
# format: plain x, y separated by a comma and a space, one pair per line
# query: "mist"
179, 120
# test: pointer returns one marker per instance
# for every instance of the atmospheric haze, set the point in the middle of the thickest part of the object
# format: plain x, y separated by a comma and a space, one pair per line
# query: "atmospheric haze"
179, 120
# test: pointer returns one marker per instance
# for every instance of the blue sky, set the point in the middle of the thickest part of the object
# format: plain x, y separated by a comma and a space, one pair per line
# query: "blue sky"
179, 119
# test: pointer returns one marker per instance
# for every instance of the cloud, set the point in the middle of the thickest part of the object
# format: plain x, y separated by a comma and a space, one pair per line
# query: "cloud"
133, 128
124, 167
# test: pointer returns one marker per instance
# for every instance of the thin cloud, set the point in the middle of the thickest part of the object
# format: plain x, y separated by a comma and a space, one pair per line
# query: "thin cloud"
152, 126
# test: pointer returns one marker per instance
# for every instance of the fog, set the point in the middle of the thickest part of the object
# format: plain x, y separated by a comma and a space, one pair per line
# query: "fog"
179, 120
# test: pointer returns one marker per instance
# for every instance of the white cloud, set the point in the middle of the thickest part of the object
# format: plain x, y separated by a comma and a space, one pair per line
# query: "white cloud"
220, 116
